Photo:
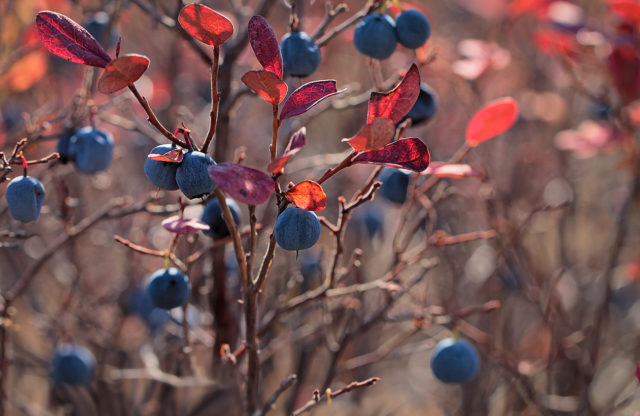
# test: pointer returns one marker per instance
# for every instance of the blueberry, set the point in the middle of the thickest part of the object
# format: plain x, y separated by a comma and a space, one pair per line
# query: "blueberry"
25, 196
394, 185
375, 36
412, 28
97, 25
454, 361
373, 220
425, 107
168, 288
72, 364
139, 303
92, 149
192, 175
310, 265
63, 148
297, 229
162, 174
212, 216
300, 54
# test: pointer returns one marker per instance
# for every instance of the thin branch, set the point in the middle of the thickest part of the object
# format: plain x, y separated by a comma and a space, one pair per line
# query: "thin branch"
215, 98
318, 398
284, 385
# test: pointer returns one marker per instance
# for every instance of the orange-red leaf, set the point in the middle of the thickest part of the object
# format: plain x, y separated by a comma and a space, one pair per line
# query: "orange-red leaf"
373, 136
172, 156
493, 119
307, 195
205, 24
122, 71
296, 142
398, 102
267, 85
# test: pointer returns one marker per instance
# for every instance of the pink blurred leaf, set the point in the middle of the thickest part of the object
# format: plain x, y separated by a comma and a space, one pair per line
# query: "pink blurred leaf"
121, 72
307, 195
242, 183
479, 56
265, 45
396, 103
179, 225
267, 85
588, 140
491, 120
410, 153
451, 170
205, 24
308, 95
373, 136
296, 142
172, 156
67, 39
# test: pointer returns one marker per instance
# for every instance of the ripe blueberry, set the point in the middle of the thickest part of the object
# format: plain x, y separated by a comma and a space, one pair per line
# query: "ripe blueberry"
63, 148
25, 196
300, 54
454, 361
162, 174
168, 288
297, 229
72, 364
192, 175
137, 302
92, 149
375, 36
425, 107
212, 216
394, 185
97, 25
412, 28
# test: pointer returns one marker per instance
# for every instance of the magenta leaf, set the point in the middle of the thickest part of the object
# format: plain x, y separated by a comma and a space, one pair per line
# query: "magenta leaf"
410, 153
265, 45
242, 183
307, 96
179, 225
296, 142
398, 102
67, 39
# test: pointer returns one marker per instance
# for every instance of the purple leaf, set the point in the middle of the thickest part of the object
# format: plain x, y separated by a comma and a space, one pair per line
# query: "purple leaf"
409, 153
67, 39
307, 96
265, 45
242, 183
179, 225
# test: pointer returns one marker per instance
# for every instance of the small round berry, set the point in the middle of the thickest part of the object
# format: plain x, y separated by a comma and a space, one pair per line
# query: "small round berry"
297, 229
72, 364
413, 28
168, 288
300, 54
375, 36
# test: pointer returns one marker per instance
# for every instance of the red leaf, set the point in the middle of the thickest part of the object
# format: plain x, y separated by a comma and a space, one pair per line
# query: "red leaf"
307, 195
295, 145
179, 225
396, 103
122, 71
409, 153
451, 170
307, 96
267, 85
67, 39
265, 45
373, 136
628, 10
491, 120
205, 24
172, 156
554, 42
244, 184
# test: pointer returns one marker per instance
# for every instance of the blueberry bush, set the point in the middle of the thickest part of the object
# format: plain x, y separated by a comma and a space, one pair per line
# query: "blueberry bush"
369, 207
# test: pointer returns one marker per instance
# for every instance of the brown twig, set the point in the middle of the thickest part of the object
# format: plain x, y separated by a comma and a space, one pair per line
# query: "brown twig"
215, 98
284, 385
318, 398
329, 15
